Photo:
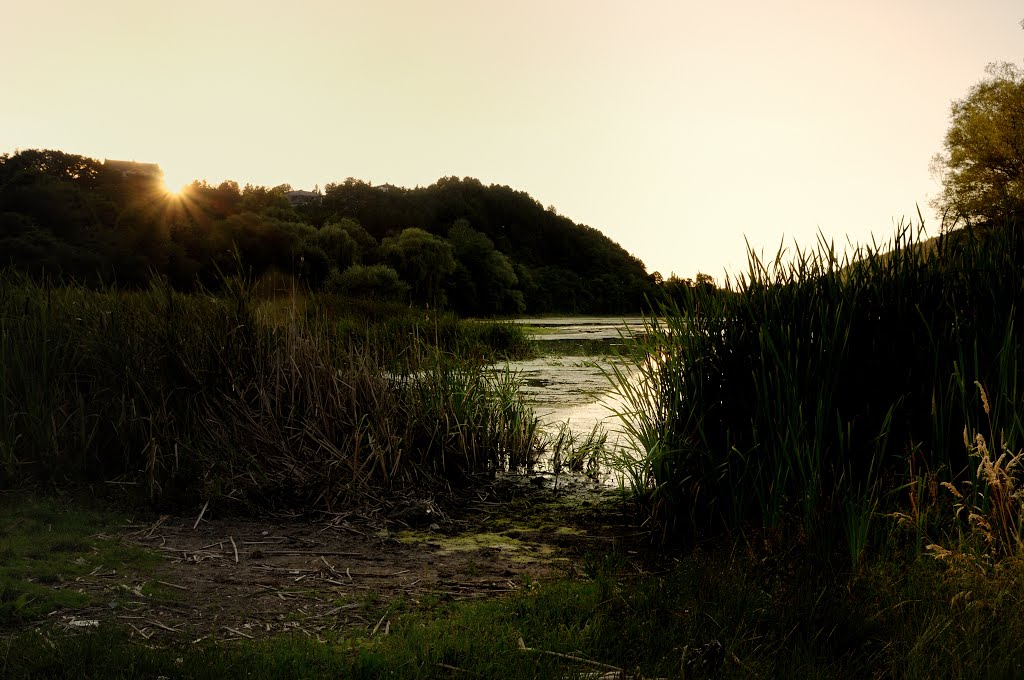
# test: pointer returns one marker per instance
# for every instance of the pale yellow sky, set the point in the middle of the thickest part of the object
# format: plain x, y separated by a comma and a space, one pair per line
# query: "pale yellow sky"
676, 128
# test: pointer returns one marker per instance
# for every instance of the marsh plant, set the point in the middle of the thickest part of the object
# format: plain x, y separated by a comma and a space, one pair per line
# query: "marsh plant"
992, 504
392, 328
172, 396
571, 451
792, 402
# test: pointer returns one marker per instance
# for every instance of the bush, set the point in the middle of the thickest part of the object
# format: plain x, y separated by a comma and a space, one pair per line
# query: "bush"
376, 282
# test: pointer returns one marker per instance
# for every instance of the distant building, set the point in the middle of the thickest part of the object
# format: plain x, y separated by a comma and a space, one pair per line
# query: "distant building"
131, 168
386, 187
299, 197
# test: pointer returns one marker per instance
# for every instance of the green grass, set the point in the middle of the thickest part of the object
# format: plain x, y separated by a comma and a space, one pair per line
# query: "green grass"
577, 452
776, 614
391, 328
45, 545
777, 609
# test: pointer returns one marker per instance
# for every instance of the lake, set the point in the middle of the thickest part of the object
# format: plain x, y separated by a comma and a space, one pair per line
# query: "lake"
568, 385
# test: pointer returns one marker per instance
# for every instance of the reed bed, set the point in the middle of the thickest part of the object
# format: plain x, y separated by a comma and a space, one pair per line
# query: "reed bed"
176, 398
823, 392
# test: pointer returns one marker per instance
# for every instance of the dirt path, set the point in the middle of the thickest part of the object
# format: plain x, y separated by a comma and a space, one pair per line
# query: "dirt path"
234, 578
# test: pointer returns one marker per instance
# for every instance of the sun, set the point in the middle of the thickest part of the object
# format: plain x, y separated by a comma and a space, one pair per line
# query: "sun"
175, 183
172, 191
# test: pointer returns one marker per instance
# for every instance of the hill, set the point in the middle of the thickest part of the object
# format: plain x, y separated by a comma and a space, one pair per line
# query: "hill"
478, 249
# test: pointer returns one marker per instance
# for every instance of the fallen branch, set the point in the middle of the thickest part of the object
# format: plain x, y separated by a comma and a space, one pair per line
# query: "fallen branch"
160, 625
201, 513
145, 636
163, 518
172, 585
449, 667
311, 552
577, 659
237, 632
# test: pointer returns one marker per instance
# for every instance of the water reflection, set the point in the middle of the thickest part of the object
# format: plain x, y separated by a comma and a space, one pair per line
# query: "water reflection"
568, 385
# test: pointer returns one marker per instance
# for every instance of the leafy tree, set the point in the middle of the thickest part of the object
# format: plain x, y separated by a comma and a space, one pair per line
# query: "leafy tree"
705, 281
270, 202
218, 202
76, 217
339, 246
422, 260
365, 244
31, 164
485, 281
982, 169
312, 264
60, 207
378, 282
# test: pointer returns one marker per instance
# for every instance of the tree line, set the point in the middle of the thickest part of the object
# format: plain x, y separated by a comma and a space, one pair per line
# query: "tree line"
476, 249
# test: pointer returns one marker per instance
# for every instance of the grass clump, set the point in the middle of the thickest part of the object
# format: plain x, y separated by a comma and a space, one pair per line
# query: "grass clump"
577, 452
392, 328
808, 399
46, 544
176, 396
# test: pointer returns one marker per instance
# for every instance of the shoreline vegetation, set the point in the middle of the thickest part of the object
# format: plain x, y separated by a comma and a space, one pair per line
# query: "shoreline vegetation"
827, 460
829, 392
825, 478
169, 396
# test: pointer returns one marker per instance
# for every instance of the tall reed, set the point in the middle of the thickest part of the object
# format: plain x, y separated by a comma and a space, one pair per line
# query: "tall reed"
793, 401
179, 397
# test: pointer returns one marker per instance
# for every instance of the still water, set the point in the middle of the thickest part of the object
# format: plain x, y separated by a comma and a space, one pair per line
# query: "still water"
568, 384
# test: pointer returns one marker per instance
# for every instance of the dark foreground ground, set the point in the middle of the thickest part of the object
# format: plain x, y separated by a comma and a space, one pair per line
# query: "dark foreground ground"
349, 573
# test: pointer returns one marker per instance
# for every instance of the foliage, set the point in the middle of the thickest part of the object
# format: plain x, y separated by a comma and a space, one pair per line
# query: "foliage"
78, 219
365, 250
982, 169
422, 259
992, 504
338, 244
797, 404
484, 278
375, 282
184, 396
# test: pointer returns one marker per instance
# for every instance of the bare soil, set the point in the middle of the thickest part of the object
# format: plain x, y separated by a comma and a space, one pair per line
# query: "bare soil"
352, 573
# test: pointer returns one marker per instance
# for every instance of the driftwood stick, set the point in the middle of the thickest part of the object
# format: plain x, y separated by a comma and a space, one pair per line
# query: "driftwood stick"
449, 667
312, 552
237, 632
201, 513
143, 633
172, 585
163, 518
570, 657
160, 625
232, 538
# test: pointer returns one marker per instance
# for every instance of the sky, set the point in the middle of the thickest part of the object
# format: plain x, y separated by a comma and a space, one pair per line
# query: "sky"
684, 130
